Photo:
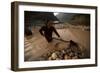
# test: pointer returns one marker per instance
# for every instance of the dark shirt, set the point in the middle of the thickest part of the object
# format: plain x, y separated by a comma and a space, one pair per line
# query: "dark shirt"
47, 32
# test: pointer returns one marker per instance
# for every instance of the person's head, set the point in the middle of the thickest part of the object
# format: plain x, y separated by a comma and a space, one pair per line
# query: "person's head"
50, 23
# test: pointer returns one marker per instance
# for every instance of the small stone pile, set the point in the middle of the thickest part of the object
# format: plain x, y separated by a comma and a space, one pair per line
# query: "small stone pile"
72, 52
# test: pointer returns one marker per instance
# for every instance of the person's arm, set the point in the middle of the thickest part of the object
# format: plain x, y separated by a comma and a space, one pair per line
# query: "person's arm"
41, 31
56, 32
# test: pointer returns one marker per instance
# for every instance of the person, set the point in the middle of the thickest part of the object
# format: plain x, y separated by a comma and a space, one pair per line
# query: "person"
48, 30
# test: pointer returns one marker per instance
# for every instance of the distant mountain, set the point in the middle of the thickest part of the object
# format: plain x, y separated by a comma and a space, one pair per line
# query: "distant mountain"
75, 19
81, 19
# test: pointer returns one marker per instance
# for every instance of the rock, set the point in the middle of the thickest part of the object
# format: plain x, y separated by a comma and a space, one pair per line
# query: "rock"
54, 55
75, 57
50, 58
57, 52
48, 54
58, 59
67, 57
68, 50
63, 52
76, 54
81, 55
71, 54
